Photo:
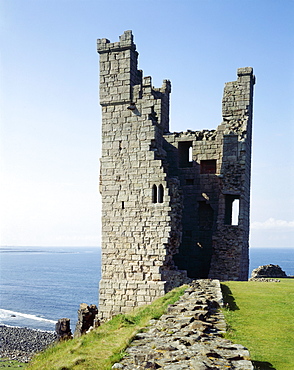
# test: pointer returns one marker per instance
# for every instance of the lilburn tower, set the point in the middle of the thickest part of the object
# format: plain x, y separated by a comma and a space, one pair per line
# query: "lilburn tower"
168, 197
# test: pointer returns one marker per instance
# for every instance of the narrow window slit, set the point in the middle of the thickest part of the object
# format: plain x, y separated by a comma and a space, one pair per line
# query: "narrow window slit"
160, 193
154, 194
190, 154
235, 212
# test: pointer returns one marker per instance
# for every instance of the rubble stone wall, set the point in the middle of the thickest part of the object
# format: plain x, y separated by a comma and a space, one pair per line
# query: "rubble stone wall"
188, 336
164, 195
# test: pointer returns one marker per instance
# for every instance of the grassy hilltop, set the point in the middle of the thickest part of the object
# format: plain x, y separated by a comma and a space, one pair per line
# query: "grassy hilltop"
259, 316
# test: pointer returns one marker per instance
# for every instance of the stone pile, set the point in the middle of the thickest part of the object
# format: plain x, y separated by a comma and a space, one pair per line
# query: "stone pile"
22, 343
267, 272
189, 336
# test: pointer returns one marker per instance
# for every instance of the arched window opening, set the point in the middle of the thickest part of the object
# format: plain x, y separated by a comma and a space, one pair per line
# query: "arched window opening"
154, 194
190, 154
160, 193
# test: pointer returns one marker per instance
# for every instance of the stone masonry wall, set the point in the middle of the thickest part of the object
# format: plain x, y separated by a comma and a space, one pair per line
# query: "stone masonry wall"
230, 258
139, 233
166, 197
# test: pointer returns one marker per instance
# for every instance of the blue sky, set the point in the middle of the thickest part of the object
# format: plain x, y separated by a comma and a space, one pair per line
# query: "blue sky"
50, 114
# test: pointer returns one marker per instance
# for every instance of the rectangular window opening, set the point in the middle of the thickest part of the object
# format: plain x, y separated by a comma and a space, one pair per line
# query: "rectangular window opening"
235, 211
208, 166
189, 181
185, 153
232, 210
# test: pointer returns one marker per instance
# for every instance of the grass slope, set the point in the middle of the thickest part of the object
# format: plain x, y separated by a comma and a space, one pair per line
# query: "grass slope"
105, 345
13, 365
260, 317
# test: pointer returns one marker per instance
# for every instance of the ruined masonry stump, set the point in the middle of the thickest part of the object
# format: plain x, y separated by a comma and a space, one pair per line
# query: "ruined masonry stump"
86, 319
62, 329
268, 271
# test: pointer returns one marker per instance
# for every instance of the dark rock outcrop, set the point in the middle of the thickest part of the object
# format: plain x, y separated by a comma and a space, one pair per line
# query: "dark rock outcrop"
62, 328
86, 319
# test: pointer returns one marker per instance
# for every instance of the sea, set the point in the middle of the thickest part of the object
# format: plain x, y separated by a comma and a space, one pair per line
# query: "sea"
39, 285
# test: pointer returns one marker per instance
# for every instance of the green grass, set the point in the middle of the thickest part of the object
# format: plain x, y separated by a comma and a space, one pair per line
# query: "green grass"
105, 345
12, 365
260, 316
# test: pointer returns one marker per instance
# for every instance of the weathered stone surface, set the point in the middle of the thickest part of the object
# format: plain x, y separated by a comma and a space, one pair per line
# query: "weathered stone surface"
265, 280
268, 271
62, 329
86, 319
168, 197
174, 342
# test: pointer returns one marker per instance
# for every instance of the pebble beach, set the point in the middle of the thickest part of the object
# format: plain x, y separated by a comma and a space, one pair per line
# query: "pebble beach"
21, 344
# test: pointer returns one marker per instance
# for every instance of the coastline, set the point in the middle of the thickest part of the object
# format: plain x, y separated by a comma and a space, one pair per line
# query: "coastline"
21, 344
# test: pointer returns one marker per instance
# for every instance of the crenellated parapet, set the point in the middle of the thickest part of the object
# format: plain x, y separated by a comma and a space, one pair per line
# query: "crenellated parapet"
118, 69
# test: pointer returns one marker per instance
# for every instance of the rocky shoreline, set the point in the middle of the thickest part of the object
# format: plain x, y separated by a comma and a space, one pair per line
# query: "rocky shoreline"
21, 344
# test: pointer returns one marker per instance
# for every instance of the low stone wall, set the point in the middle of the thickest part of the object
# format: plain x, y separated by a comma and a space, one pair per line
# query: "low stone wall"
189, 336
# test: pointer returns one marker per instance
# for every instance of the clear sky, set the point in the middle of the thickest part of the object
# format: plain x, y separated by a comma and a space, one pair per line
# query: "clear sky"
50, 114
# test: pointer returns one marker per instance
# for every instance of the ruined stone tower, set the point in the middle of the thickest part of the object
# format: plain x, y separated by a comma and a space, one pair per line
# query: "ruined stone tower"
168, 197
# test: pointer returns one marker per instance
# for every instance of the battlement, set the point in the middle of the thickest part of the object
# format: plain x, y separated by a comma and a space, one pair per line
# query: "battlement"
125, 42
122, 83
246, 71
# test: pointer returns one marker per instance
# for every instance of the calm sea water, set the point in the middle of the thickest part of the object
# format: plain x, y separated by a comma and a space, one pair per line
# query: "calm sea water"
41, 285
282, 257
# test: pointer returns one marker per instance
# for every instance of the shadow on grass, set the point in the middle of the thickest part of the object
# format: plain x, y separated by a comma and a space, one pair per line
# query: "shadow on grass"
229, 300
260, 365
